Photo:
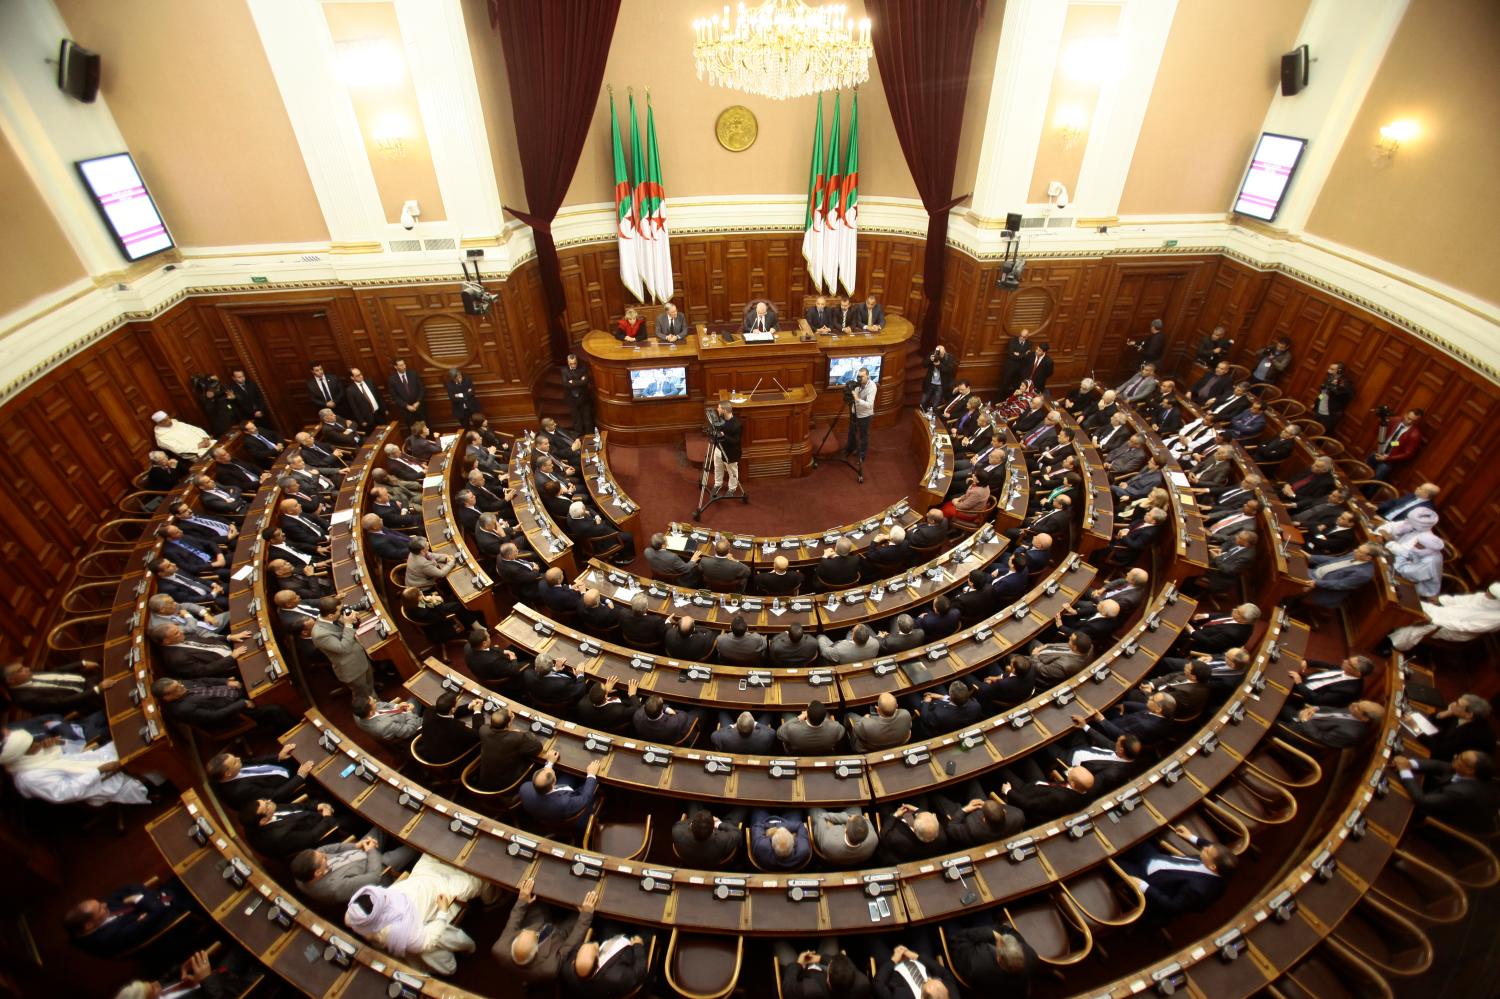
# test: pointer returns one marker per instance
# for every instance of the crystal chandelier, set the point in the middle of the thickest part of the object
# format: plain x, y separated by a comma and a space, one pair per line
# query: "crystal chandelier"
782, 49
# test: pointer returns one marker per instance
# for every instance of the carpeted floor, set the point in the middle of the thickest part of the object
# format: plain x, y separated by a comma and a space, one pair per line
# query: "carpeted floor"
666, 486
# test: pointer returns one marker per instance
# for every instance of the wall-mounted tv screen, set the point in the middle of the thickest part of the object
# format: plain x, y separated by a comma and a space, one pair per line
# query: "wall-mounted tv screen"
1270, 172
122, 198
845, 369
658, 383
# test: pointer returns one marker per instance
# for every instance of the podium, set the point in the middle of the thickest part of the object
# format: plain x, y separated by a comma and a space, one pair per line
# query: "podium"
775, 426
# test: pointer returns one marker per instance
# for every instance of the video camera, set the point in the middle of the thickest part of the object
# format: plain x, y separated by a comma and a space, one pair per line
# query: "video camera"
1383, 413
714, 423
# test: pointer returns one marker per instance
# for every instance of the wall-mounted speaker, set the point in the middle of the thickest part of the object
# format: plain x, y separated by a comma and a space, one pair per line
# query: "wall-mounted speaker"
1294, 71
1013, 221
78, 71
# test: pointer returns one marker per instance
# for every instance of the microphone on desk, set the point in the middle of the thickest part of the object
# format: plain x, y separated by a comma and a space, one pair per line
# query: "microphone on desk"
779, 385
752, 391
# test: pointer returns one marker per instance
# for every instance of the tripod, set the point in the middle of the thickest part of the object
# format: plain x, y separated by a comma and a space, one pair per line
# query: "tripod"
707, 499
858, 464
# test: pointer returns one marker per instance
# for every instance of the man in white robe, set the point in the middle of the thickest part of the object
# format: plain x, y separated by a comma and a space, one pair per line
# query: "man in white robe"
65, 773
1454, 617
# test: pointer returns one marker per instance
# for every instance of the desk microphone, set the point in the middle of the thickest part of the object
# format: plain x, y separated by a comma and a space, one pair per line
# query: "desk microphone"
779, 385
752, 391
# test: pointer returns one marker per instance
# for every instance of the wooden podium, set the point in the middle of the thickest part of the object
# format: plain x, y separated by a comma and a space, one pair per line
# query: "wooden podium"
773, 441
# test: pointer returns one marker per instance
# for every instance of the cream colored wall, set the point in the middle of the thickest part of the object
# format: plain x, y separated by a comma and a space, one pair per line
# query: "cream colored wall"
193, 95
494, 100
40, 258
1055, 159
1218, 74
977, 100
1432, 206
653, 48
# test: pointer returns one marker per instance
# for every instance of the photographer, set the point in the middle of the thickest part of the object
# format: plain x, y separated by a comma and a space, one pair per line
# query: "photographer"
860, 395
1395, 446
941, 366
1334, 396
335, 635
726, 433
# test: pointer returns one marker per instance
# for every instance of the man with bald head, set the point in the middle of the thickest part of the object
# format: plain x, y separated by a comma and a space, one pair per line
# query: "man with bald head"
304, 532
304, 582
722, 571
911, 833
686, 641
537, 937
1462, 793
779, 581
389, 546
743, 733
316, 455
887, 726
839, 566
614, 965
778, 842
1042, 799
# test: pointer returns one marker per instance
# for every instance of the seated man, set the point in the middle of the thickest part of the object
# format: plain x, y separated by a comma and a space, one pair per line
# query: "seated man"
941, 621
815, 974
390, 722
739, 646
538, 937
1336, 728
641, 629
283, 830
1055, 663
887, 726
1150, 722
1463, 724
903, 635
722, 571
667, 564
56, 689
778, 842
1336, 577
949, 712
843, 837
559, 803
793, 647
236, 780
604, 707
887, 555
1042, 798
899, 976
911, 833
127, 918
214, 705
812, 732
980, 820
839, 566
65, 772
505, 751
1217, 632
449, 730
686, 641
657, 721
1175, 885
991, 957
231, 974
700, 840
412, 919
779, 580
1330, 685
861, 643
1462, 794
330, 873
743, 733
178, 437
585, 525
616, 965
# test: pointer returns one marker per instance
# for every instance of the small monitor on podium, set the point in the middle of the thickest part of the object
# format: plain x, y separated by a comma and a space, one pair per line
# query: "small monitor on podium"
658, 383
846, 369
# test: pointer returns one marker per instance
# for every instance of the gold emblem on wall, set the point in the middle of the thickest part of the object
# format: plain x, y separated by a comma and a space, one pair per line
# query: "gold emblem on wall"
736, 128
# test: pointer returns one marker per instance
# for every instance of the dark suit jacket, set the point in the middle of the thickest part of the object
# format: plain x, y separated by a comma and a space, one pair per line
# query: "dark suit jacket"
890, 985
504, 755
179, 662
204, 709
133, 922
412, 392
521, 575
446, 737
301, 830
617, 978
335, 388
862, 315
389, 545
1468, 804
1220, 637
899, 845
709, 854
364, 414
1335, 694
1172, 893
694, 647
839, 570
279, 789
1455, 735
1136, 721
925, 535
818, 318
1045, 802
723, 571
972, 951
784, 585
751, 319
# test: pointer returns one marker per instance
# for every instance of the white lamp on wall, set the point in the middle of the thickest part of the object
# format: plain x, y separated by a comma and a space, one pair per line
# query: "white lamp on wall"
1392, 136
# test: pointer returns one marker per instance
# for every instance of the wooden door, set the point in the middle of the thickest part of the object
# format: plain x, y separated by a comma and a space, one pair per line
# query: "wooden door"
280, 342
1138, 296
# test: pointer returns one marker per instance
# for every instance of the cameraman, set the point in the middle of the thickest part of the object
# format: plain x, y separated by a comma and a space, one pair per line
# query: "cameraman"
1395, 446
727, 435
861, 397
941, 366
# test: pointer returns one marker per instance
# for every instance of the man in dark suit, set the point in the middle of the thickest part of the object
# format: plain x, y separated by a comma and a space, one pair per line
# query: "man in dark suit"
1042, 798
522, 575
1463, 724
615, 965
743, 733
1017, 363
165, 471
868, 316
1131, 541
1175, 885
1014, 684
389, 546
131, 915
1111, 761
1011, 585
933, 530
992, 958
408, 396
55, 689
904, 635
1190, 689
1153, 345
911, 833
1227, 564
1127, 591
779, 580
259, 447
1331, 685
839, 566
707, 843
187, 589
505, 753
819, 316
1055, 519
555, 802
364, 401
760, 318
1462, 793
603, 707
213, 705
641, 629
448, 730
280, 831
1213, 384
237, 781
553, 685
897, 978
1336, 728
941, 621
792, 647
721, 570
1217, 632
324, 389
336, 432
1275, 449
191, 555
303, 532
578, 394
685, 641
1312, 485
1150, 722
656, 721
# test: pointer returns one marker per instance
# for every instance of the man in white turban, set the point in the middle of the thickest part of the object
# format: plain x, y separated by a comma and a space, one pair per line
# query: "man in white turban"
1418, 558
413, 917
1454, 617
1423, 518
64, 772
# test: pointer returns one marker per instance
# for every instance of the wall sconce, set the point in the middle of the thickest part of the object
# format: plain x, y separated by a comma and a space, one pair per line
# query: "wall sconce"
1072, 121
1393, 135
390, 132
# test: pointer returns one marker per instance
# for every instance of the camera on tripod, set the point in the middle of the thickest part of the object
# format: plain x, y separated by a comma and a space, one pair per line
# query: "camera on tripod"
714, 425
1383, 413
848, 388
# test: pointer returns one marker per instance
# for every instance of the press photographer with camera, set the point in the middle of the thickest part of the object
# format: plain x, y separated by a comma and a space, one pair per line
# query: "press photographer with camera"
1395, 446
941, 367
726, 432
859, 396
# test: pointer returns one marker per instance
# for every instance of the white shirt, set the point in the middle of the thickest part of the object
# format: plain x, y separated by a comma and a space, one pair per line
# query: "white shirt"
182, 438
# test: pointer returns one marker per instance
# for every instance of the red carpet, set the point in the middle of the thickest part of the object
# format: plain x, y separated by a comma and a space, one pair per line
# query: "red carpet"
666, 486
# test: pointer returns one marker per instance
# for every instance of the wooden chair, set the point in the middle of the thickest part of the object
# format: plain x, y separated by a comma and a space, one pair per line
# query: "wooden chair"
104, 563
89, 598
703, 966
1420, 890
1378, 933
606, 547
1259, 801
1053, 926
1269, 392
141, 503
741, 658
1311, 428
812, 657
439, 770
671, 579
927, 554
1354, 469
1465, 858
1332, 971
122, 531
1220, 824
725, 587
80, 637
397, 576
974, 521
1382, 491
621, 838
479, 794
1280, 761
1286, 408
1106, 895
1331, 446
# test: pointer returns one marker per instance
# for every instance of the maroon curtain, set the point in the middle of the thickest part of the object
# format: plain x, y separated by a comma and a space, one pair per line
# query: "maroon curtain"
923, 49
555, 52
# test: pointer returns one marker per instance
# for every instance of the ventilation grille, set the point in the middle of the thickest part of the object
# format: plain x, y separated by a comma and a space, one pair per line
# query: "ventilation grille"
1029, 308
406, 245
442, 243
447, 340
1042, 222
309, 258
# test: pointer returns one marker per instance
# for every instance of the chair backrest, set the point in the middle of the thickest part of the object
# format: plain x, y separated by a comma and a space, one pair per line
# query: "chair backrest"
673, 578
723, 587
729, 658
604, 546
700, 966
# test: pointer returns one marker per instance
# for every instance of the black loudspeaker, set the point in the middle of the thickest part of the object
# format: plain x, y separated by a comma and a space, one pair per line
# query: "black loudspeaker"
1294, 71
78, 72
1013, 221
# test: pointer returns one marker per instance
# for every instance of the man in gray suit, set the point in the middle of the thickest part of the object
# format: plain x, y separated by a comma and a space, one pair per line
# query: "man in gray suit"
536, 937
1138, 386
845, 838
668, 564
330, 874
389, 721
906, 635
334, 635
1056, 663
812, 732
1337, 728
861, 644
890, 725
739, 646
792, 647
424, 567
721, 570
671, 325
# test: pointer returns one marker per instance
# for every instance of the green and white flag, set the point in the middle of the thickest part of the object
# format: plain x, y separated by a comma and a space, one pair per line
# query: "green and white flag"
625, 218
848, 230
812, 227
651, 209
828, 255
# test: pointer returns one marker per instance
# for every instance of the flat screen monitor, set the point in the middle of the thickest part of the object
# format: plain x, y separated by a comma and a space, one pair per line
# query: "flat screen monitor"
126, 205
658, 383
1270, 172
844, 369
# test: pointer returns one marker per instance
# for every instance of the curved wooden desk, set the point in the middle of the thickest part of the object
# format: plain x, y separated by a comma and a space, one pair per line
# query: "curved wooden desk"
471, 584
799, 549
714, 364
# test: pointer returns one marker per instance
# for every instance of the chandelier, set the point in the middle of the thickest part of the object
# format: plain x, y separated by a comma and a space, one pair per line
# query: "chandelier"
782, 49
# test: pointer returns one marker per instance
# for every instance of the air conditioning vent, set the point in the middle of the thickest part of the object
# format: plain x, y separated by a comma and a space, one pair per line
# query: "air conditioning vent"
310, 258
446, 341
1060, 222
1033, 222
442, 243
405, 245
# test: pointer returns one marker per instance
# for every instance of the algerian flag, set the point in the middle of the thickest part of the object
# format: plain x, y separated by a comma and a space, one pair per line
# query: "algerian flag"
828, 256
630, 274
653, 215
812, 228
849, 204
644, 261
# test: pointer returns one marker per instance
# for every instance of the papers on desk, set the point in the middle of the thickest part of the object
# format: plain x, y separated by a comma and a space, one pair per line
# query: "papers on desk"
677, 542
1418, 724
243, 572
680, 599
344, 516
1177, 478
447, 440
626, 593
428, 481
758, 337
368, 624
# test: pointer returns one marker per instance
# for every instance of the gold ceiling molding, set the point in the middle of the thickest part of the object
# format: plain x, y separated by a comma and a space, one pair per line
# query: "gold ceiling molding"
352, 247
